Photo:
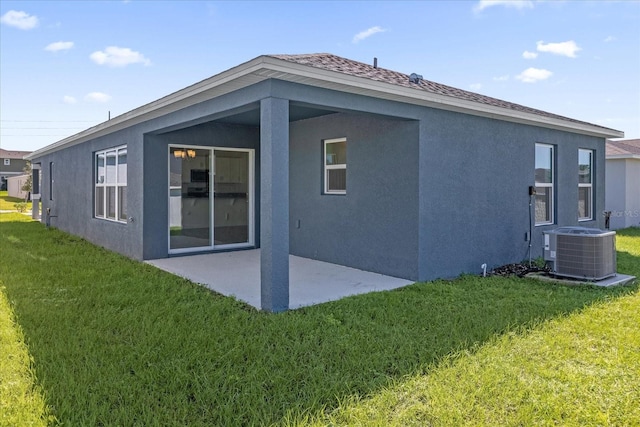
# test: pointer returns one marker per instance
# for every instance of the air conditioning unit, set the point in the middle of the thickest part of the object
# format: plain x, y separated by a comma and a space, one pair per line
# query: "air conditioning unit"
581, 253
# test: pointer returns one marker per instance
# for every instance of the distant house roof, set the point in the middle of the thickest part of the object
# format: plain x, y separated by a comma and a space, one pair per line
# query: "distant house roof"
328, 71
623, 149
6, 154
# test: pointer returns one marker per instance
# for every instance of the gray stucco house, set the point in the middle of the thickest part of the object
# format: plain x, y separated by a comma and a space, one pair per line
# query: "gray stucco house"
331, 159
12, 163
623, 183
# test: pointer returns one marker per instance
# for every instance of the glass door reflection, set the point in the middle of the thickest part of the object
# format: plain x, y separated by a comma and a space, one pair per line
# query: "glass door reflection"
231, 197
189, 198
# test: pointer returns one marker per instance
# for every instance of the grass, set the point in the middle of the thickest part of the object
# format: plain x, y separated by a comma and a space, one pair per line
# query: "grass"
8, 203
117, 342
21, 401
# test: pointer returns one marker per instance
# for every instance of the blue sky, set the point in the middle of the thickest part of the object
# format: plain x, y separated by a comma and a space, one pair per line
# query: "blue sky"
65, 65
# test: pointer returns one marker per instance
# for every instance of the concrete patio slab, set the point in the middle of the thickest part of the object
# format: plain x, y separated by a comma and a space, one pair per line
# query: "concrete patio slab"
310, 282
617, 280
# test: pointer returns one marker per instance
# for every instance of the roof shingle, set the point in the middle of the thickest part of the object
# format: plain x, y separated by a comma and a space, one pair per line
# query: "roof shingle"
330, 62
625, 147
6, 154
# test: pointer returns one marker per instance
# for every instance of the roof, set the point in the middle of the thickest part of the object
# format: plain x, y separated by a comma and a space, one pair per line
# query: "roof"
623, 149
329, 71
335, 63
6, 154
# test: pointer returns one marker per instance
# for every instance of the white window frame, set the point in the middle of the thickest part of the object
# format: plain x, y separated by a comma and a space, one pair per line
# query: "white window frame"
327, 167
120, 182
549, 186
7, 162
586, 185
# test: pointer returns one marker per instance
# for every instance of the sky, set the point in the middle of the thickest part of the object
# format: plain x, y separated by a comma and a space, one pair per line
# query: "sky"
67, 65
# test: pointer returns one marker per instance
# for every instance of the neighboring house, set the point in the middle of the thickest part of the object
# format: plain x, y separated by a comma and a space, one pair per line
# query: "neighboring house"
11, 164
14, 186
623, 183
331, 159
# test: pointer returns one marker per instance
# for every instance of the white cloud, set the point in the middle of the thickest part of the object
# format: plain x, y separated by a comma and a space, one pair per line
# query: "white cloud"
529, 55
114, 56
367, 33
501, 78
97, 97
516, 4
568, 48
475, 86
69, 99
609, 39
55, 47
532, 75
19, 19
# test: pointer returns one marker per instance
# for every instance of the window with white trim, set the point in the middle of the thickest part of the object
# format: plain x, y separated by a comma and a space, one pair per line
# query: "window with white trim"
545, 176
7, 162
585, 185
111, 184
335, 166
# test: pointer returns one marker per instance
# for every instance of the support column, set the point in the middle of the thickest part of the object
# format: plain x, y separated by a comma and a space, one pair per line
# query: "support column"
424, 185
274, 204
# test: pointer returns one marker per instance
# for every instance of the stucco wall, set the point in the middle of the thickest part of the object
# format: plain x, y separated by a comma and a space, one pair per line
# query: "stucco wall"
71, 203
373, 226
430, 193
623, 192
477, 179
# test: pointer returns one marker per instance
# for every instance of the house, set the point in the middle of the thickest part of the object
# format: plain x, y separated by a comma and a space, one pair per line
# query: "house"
623, 183
12, 163
330, 159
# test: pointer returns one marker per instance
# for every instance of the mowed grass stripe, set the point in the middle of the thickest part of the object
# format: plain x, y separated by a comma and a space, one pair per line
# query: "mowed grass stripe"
21, 400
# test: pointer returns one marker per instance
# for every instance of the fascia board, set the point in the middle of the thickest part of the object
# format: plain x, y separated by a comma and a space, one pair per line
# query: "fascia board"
167, 104
623, 157
264, 67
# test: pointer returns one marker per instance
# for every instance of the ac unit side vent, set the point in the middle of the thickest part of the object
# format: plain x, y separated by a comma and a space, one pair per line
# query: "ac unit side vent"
585, 256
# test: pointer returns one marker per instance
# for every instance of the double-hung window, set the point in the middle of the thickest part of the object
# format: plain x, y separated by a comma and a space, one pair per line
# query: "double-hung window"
545, 175
111, 184
335, 166
585, 185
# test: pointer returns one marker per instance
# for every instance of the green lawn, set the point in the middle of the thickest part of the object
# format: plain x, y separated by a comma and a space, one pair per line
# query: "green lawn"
8, 203
21, 402
117, 342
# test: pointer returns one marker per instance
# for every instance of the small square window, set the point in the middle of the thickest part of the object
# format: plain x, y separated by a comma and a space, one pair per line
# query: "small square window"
7, 162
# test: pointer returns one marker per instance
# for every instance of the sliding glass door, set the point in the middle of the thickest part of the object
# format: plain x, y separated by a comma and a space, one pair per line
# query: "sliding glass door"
210, 198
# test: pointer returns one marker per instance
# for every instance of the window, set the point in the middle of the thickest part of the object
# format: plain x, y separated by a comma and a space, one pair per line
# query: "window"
50, 180
111, 184
335, 166
585, 185
7, 162
544, 184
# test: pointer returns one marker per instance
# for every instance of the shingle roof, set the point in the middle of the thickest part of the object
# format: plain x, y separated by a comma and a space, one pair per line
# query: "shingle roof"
6, 154
338, 64
625, 147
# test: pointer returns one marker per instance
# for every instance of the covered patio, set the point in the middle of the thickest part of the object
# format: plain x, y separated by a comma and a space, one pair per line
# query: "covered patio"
311, 282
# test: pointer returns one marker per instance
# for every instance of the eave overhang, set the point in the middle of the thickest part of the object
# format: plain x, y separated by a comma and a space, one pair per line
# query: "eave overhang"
266, 67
